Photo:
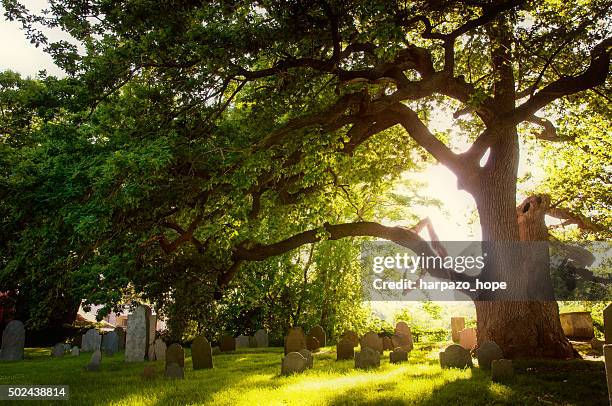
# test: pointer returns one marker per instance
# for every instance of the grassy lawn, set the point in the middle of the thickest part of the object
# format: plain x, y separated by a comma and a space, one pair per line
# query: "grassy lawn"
251, 377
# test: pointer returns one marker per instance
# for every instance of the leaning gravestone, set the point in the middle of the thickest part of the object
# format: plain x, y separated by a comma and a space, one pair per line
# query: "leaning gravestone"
308, 355
501, 370
371, 340
120, 338
467, 338
457, 324
201, 353
345, 349
242, 341
160, 350
58, 350
352, 337
312, 344
367, 358
487, 353
175, 355
136, 345
91, 340
398, 355
110, 343
607, 316
455, 356
228, 343
293, 362
75, 351
318, 333
261, 336
95, 361
13, 341
295, 340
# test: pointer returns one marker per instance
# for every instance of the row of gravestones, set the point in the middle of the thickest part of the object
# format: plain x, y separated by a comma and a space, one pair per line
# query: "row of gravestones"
230, 343
490, 357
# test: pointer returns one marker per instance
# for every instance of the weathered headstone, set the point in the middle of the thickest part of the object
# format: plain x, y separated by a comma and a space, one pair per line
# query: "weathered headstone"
398, 355
228, 343
387, 343
66, 347
242, 341
201, 353
309, 359
402, 337
136, 344
91, 340
75, 352
58, 350
295, 340
467, 338
293, 362
175, 354
151, 337
110, 343
216, 350
120, 338
501, 370
402, 328
261, 336
95, 361
174, 371
367, 358
160, 350
457, 324
607, 350
149, 372
345, 349
487, 353
312, 344
252, 342
607, 316
371, 340
577, 325
318, 333
455, 356
352, 337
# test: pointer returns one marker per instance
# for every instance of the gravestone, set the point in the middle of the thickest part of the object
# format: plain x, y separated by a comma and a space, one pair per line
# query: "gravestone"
216, 350
160, 350
242, 341
252, 342
352, 337
318, 333
174, 371
261, 336
597, 345
137, 336
149, 372
607, 350
501, 370
175, 355
387, 343
294, 362
402, 337
607, 316
95, 361
487, 353
228, 343
308, 355
457, 324
467, 338
312, 344
201, 353
371, 340
367, 358
345, 349
398, 355
151, 337
455, 356
66, 347
91, 340
120, 338
295, 340
58, 350
110, 343
75, 352
577, 325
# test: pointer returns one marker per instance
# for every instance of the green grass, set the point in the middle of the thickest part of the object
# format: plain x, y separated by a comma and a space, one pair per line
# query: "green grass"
251, 377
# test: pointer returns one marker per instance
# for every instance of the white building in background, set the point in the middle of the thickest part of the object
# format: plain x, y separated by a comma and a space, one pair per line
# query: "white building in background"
116, 319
